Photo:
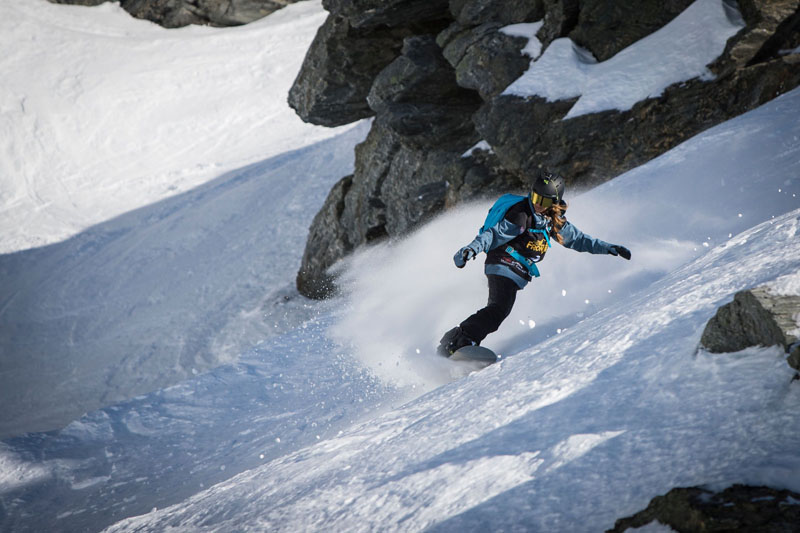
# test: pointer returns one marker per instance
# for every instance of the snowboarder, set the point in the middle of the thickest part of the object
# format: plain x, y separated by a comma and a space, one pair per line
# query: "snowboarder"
515, 236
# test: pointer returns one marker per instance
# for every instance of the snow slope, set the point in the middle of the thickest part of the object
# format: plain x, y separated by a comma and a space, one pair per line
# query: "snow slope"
195, 118
581, 428
290, 391
101, 113
160, 293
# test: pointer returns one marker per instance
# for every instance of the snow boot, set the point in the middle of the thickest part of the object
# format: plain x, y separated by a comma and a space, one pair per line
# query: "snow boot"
452, 341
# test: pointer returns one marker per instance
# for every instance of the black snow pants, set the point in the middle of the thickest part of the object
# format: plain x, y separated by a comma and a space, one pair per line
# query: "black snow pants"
502, 294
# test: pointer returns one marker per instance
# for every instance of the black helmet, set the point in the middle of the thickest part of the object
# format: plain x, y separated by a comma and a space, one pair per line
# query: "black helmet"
548, 189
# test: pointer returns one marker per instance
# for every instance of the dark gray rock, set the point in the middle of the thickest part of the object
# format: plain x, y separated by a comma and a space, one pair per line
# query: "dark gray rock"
330, 244
771, 27
755, 317
417, 97
484, 58
419, 74
794, 357
476, 12
80, 2
388, 13
605, 27
739, 508
178, 13
561, 17
340, 66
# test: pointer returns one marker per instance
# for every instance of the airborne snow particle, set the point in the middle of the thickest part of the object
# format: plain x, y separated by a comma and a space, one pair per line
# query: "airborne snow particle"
563, 292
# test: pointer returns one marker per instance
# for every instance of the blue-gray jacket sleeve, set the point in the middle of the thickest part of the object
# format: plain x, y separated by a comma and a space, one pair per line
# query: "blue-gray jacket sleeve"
497, 235
581, 242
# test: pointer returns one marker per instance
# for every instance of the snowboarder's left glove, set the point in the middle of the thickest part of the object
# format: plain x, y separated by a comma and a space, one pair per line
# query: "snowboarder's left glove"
463, 255
621, 251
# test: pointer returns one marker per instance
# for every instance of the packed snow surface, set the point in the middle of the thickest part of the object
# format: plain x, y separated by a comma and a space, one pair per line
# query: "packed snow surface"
101, 113
679, 51
339, 416
195, 118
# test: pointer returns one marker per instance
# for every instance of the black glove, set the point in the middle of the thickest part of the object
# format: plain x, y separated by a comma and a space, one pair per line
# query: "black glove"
463, 255
621, 251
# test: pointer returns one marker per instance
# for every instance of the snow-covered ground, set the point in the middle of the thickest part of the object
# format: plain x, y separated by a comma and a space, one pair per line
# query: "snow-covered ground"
338, 416
141, 300
101, 113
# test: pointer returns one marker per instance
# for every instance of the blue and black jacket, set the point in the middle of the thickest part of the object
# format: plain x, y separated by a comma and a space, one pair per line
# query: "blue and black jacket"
521, 239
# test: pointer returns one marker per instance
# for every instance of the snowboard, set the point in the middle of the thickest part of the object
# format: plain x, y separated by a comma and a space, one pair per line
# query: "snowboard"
476, 356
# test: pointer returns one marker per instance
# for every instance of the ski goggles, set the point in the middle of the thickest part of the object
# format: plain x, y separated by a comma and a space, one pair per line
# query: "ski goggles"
542, 201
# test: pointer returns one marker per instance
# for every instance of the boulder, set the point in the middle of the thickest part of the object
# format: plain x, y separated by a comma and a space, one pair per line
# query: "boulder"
388, 13
560, 18
329, 244
771, 28
337, 74
485, 59
80, 2
178, 13
755, 317
469, 13
417, 97
738, 508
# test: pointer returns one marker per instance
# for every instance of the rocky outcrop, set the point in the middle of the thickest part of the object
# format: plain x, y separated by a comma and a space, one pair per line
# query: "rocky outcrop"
432, 73
756, 317
178, 13
738, 508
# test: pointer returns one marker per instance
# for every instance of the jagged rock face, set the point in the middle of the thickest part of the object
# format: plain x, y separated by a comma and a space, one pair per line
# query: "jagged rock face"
434, 76
755, 317
528, 134
737, 508
389, 13
80, 2
331, 89
476, 12
605, 27
485, 59
178, 13
417, 98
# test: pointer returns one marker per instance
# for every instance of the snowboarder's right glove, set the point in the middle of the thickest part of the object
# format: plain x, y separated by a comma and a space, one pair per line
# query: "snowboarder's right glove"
621, 251
463, 255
